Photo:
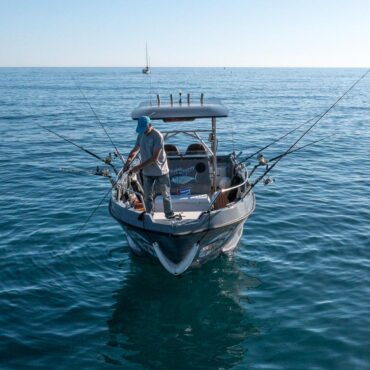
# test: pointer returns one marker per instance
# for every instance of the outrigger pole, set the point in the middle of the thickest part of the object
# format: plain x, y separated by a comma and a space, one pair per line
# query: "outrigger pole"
289, 150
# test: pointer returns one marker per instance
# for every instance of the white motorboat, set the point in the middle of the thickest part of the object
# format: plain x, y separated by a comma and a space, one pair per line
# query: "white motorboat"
210, 192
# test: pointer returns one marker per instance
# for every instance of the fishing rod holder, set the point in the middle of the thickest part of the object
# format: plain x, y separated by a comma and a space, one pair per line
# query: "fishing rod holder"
220, 191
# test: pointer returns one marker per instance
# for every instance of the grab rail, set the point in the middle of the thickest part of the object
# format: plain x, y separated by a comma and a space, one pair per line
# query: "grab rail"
140, 197
220, 191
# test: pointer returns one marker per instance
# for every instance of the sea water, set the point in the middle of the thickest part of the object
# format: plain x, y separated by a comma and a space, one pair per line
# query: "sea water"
295, 295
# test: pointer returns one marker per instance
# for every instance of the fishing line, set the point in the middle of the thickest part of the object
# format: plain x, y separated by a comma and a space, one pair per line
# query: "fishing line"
302, 147
232, 137
97, 118
306, 132
150, 88
78, 146
278, 139
91, 214
291, 152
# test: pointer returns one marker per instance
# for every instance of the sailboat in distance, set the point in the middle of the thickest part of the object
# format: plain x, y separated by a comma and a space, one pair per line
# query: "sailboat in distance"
146, 70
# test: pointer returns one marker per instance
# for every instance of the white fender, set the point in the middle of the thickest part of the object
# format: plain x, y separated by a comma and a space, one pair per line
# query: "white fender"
176, 268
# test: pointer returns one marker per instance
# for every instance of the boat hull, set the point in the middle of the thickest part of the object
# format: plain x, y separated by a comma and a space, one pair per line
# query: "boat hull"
182, 245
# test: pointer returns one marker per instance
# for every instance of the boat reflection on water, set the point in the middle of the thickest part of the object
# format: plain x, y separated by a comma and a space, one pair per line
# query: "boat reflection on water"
199, 320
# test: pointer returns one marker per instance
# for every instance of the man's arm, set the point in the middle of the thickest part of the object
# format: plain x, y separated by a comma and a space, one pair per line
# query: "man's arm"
130, 157
148, 162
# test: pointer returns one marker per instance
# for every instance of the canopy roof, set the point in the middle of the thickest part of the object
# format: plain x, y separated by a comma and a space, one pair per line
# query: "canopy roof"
178, 111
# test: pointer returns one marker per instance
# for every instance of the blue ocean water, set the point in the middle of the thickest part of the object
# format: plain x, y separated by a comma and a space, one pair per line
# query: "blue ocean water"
296, 293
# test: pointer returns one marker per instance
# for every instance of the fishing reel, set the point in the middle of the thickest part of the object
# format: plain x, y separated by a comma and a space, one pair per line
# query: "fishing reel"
102, 172
108, 159
261, 160
268, 180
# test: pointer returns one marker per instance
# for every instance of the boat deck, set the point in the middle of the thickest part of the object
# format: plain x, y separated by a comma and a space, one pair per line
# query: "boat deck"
194, 215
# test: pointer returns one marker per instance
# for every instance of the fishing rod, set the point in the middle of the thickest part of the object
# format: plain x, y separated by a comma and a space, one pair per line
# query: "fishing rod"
262, 161
275, 141
321, 116
114, 183
302, 147
104, 172
97, 118
107, 160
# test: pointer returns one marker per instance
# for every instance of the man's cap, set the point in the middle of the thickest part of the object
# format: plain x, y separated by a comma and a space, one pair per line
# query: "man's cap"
142, 124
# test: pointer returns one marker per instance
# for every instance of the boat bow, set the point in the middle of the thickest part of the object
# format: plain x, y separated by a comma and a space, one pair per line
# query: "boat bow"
176, 268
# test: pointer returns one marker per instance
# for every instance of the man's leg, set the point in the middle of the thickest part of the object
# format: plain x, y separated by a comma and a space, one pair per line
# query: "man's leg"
165, 186
148, 192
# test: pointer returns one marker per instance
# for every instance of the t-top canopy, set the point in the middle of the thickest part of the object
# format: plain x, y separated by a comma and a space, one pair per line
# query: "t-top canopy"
180, 111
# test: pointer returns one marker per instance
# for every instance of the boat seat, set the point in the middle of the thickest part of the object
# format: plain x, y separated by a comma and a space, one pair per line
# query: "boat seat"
184, 203
196, 148
171, 149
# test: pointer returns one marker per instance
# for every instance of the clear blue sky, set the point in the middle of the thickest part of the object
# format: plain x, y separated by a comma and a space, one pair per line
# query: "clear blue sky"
251, 33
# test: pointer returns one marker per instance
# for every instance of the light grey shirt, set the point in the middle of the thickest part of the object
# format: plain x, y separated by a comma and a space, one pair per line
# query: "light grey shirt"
148, 145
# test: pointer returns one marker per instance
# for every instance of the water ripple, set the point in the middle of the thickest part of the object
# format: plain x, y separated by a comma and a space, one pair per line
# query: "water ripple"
294, 293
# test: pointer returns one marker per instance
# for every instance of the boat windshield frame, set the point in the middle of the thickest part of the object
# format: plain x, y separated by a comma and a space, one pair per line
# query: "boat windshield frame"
211, 151
185, 110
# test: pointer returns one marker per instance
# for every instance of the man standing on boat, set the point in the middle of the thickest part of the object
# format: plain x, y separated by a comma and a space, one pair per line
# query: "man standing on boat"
154, 164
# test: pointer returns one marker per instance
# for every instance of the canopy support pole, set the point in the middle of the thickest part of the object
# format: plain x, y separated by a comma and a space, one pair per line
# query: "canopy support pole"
214, 150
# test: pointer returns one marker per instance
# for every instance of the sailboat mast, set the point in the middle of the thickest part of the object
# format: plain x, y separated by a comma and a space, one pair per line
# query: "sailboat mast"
146, 50
146, 70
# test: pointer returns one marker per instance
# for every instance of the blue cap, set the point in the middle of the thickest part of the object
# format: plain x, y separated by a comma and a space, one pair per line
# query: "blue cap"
142, 124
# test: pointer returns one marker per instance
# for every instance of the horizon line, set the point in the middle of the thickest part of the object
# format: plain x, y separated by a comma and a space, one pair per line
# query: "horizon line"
218, 67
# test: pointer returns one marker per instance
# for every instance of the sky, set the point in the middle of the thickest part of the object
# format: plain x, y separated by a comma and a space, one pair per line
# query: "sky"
187, 33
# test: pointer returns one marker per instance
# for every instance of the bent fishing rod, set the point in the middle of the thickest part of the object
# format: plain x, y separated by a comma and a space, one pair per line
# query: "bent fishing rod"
97, 118
321, 116
107, 160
